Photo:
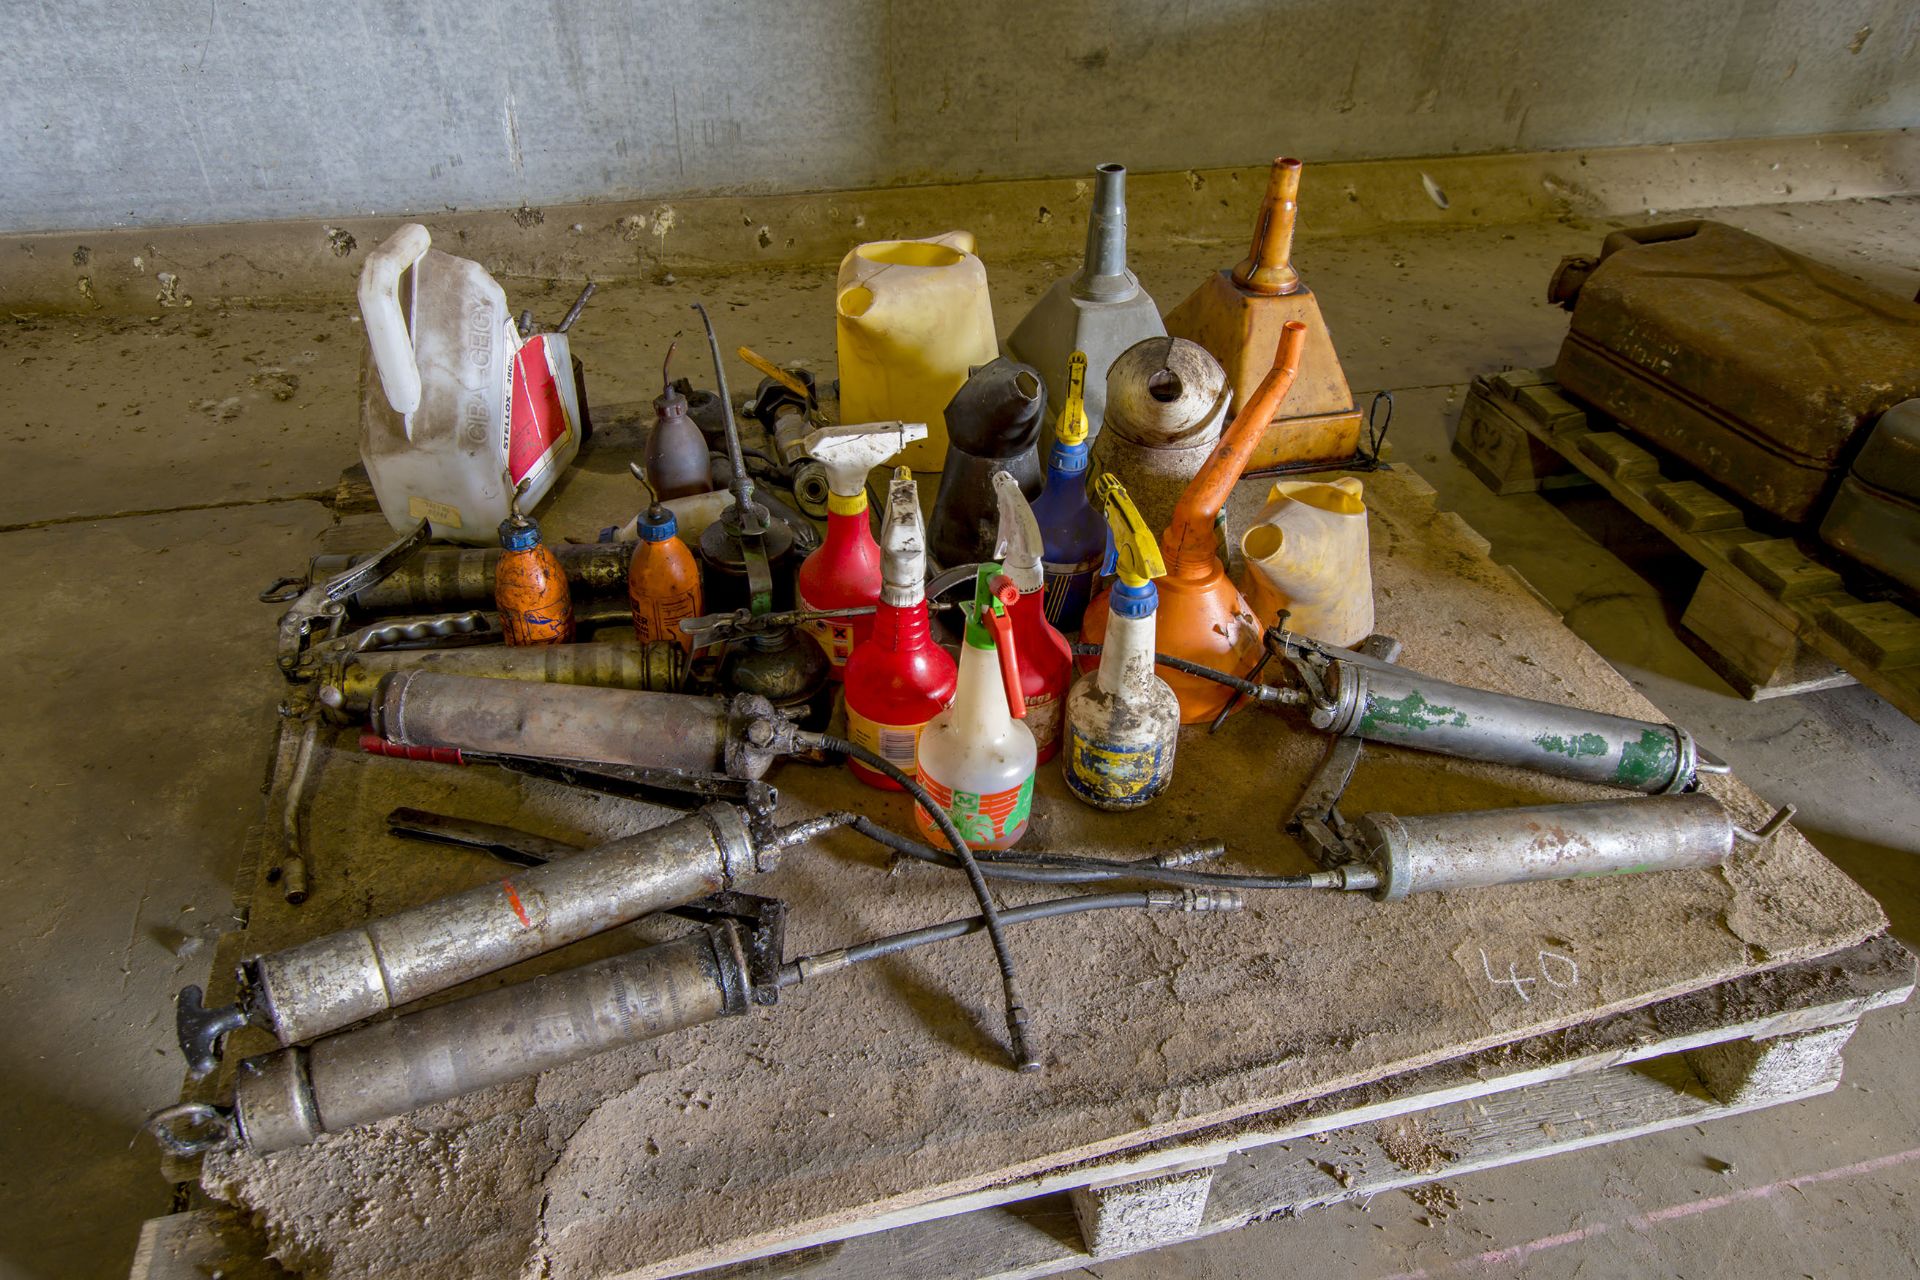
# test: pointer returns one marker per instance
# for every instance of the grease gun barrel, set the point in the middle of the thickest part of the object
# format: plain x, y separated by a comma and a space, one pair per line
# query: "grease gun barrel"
292, 1096
348, 687
738, 736
436, 579
336, 980
1383, 703
1403, 855
323, 985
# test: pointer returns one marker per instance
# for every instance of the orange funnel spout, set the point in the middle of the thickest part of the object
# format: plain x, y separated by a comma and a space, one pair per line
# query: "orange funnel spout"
1188, 540
1268, 267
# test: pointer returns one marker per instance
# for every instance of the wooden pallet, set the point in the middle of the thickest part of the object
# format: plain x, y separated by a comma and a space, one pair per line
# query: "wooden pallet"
1773, 615
1157, 1118
1758, 1041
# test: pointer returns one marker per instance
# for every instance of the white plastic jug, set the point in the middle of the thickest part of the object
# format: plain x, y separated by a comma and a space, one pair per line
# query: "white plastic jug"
1307, 552
459, 403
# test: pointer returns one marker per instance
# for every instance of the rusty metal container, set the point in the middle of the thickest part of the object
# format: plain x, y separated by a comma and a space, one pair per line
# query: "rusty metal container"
1758, 367
1875, 516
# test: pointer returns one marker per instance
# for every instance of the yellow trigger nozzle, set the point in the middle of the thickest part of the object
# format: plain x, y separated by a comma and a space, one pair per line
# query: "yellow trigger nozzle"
1071, 426
1134, 551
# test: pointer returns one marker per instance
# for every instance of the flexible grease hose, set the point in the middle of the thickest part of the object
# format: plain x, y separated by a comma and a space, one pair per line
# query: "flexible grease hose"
1044, 868
1251, 688
1025, 1059
797, 971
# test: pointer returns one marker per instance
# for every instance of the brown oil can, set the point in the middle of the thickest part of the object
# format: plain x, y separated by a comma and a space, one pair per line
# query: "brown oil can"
1758, 367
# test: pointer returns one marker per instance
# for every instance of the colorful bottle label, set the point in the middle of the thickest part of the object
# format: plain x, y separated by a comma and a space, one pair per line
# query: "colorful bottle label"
896, 743
658, 617
1068, 588
1043, 719
998, 818
1116, 775
531, 593
835, 636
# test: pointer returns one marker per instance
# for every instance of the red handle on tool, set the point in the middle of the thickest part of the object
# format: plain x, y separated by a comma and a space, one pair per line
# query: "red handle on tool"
375, 745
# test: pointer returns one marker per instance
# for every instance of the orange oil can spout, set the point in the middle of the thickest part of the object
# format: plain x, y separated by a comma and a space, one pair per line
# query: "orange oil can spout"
1188, 540
1268, 267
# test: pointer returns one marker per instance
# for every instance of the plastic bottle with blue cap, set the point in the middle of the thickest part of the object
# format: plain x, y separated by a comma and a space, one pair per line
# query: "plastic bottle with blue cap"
1122, 719
663, 579
529, 586
1073, 536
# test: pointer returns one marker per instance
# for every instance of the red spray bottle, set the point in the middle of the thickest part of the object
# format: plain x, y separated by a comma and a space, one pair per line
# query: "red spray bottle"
1046, 660
897, 677
844, 571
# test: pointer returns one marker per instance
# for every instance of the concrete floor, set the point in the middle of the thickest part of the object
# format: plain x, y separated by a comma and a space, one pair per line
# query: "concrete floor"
164, 469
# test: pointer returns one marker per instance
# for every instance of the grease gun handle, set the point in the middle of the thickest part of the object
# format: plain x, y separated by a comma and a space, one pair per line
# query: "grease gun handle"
375, 745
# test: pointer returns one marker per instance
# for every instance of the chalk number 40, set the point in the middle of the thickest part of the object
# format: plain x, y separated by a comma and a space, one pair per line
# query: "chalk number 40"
1557, 971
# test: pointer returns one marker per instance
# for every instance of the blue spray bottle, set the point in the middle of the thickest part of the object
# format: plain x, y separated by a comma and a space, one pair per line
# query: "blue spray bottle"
1073, 535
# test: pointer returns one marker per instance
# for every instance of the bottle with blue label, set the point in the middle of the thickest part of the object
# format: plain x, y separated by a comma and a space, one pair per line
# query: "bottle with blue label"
1073, 536
1123, 721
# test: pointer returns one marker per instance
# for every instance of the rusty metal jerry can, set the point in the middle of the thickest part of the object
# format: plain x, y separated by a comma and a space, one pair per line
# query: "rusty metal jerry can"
1758, 367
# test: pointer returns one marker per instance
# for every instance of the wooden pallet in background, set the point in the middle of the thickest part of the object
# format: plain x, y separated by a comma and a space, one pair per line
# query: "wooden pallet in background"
1757, 1041
1771, 614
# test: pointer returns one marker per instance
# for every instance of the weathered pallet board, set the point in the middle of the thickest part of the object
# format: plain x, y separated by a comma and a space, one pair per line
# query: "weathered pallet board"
1774, 613
1754, 1042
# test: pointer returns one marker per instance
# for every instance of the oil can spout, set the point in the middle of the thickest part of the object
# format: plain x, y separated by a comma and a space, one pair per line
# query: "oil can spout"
1268, 267
1188, 541
1104, 276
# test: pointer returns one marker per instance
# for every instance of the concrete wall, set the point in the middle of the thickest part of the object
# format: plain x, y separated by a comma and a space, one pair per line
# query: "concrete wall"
144, 112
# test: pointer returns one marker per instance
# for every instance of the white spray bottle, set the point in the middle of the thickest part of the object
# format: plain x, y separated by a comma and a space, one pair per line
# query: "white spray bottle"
977, 757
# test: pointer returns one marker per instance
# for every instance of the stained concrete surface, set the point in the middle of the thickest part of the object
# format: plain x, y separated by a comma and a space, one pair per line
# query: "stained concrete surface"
152, 112
142, 698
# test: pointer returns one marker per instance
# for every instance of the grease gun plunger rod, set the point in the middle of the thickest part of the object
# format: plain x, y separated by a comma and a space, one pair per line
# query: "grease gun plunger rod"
332, 981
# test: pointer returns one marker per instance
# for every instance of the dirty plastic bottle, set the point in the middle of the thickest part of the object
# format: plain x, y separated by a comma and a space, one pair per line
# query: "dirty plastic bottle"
977, 758
1046, 659
993, 425
898, 678
1073, 537
663, 580
451, 400
913, 318
678, 459
844, 571
530, 587
1306, 552
1202, 617
1123, 722
1100, 310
